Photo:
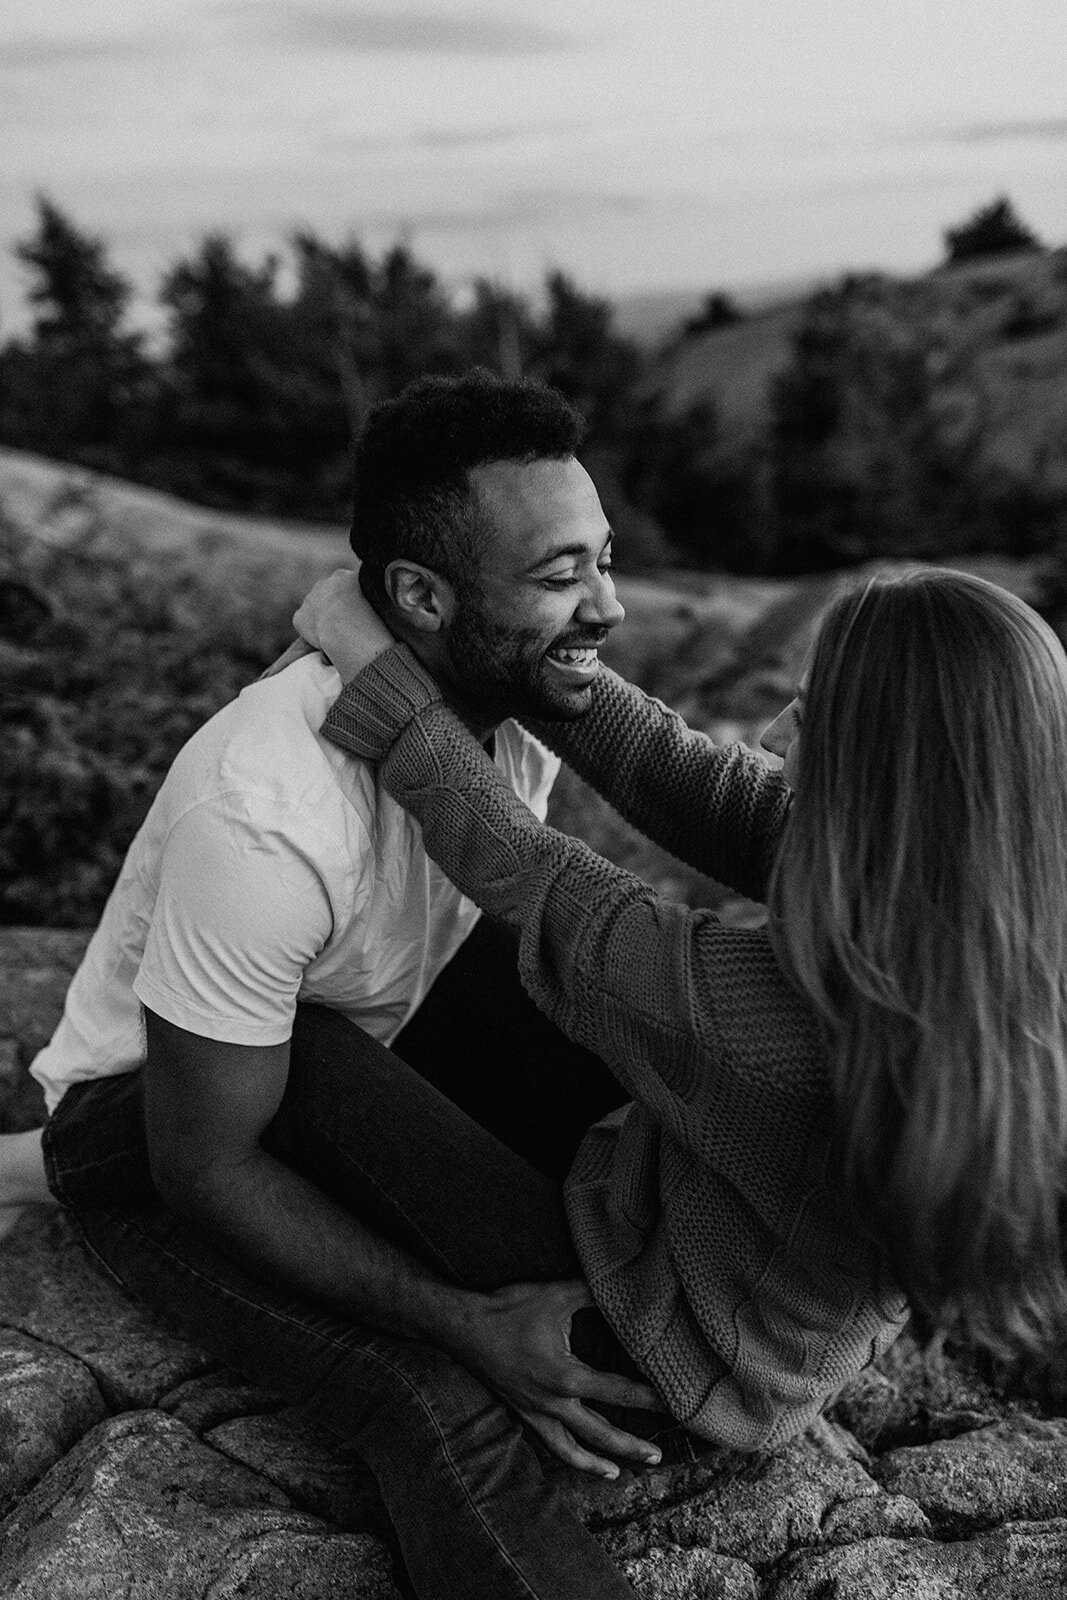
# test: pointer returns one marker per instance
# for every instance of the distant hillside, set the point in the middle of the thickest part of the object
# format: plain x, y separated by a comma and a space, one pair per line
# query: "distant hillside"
875, 418
654, 316
1014, 308
62, 505
732, 366
58, 502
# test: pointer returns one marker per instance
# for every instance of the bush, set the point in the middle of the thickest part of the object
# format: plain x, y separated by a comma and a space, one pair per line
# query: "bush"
717, 310
993, 230
120, 654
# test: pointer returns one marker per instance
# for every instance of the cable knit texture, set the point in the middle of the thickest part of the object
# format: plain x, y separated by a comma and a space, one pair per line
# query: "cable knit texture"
705, 1214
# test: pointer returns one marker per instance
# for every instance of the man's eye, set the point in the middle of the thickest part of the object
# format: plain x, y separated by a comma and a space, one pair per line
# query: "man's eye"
561, 580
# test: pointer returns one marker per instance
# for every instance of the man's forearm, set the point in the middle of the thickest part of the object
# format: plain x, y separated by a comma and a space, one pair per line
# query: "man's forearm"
274, 1221
516, 1340
207, 1104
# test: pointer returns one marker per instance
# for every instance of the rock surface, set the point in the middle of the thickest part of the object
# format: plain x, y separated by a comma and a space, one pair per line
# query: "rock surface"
131, 1463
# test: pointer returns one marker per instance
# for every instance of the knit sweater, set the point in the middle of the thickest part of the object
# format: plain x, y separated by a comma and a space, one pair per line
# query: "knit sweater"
705, 1213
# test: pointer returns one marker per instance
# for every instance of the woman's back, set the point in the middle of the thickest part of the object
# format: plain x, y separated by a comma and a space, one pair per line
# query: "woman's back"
919, 903
708, 1218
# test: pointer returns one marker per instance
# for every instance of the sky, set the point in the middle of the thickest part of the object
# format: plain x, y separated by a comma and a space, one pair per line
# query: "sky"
680, 144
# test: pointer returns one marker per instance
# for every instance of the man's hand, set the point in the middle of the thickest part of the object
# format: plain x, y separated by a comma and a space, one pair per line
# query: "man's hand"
519, 1343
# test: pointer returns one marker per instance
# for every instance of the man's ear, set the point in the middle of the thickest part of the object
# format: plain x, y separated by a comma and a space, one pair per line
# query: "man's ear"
421, 597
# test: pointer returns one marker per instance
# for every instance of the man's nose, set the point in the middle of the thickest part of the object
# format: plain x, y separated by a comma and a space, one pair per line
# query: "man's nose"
600, 604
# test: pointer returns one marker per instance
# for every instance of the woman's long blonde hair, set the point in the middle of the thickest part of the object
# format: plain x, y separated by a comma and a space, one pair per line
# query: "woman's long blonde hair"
920, 902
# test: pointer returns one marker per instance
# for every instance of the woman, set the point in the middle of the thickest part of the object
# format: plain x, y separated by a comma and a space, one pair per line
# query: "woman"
872, 1092
916, 912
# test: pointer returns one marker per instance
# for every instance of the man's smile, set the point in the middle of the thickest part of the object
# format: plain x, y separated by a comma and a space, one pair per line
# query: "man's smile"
577, 666
576, 662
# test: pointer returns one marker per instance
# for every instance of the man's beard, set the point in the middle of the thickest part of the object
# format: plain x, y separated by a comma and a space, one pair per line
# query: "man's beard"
502, 671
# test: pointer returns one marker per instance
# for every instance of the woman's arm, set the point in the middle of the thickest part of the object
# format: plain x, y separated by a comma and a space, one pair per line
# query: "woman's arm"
719, 808
645, 983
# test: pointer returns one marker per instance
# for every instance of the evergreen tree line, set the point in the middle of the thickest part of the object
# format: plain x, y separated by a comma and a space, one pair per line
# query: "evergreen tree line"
875, 441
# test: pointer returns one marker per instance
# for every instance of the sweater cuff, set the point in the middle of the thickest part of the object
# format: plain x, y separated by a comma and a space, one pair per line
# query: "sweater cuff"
374, 709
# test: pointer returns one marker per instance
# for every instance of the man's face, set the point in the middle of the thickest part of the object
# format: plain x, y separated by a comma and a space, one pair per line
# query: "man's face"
525, 631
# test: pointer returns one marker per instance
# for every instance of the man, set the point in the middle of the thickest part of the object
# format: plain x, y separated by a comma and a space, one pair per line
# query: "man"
271, 870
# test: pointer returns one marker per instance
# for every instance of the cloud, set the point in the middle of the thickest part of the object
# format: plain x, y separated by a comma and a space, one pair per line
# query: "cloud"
488, 137
531, 208
40, 50
327, 25
1054, 128
330, 25
498, 134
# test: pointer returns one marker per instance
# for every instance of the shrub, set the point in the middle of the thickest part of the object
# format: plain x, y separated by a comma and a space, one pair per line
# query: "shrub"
993, 230
122, 653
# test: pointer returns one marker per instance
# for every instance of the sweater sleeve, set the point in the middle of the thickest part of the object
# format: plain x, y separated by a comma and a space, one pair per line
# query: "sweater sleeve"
719, 808
633, 977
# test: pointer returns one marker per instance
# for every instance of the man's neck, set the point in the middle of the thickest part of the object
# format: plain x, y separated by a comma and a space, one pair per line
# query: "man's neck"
482, 724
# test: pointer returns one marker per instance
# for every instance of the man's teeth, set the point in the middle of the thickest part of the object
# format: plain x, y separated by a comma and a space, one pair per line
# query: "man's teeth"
585, 656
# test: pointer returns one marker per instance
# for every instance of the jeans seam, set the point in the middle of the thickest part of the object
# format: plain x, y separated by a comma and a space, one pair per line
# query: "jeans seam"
461, 1481
421, 1401
128, 1225
71, 1170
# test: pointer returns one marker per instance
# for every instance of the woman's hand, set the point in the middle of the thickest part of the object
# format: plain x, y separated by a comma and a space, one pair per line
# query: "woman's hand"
336, 618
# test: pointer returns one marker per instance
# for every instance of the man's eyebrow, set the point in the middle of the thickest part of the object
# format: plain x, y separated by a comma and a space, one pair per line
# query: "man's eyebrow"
578, 549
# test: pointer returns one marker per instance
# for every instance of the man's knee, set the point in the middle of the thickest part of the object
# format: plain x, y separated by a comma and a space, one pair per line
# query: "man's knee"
333, 1062
95, 1146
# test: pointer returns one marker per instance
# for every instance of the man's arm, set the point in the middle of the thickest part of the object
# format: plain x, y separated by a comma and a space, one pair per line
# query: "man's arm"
206, 1106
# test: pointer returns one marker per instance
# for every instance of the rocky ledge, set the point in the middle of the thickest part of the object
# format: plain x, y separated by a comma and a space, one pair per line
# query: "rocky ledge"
131, 1463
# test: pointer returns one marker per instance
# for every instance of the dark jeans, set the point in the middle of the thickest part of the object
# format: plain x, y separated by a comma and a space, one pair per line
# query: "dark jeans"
473, 1513
480, 1039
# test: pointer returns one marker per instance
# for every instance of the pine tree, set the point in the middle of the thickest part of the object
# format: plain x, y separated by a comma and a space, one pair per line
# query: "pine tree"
71, 389
993, 230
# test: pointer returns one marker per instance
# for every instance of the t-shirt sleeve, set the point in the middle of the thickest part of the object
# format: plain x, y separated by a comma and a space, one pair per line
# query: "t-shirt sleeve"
248, 896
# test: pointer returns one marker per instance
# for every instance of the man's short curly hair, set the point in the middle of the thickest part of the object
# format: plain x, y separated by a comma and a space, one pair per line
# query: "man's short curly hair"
413, 495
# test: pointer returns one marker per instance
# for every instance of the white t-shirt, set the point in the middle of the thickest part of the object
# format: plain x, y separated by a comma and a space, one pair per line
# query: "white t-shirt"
271, 868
